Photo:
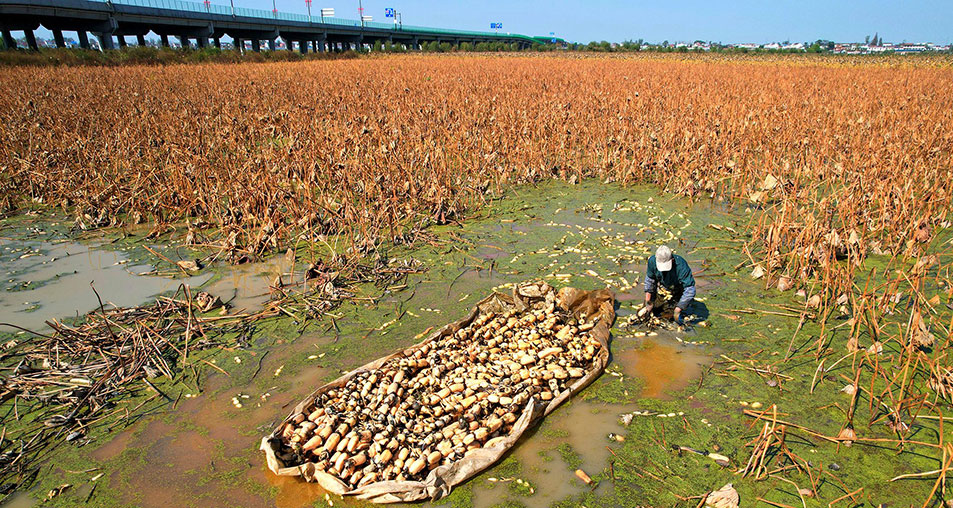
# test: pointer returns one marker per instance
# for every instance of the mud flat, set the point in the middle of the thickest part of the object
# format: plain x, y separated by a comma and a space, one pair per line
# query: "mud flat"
662, 388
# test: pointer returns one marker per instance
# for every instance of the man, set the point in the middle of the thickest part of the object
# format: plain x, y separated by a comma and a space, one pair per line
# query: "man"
674, 274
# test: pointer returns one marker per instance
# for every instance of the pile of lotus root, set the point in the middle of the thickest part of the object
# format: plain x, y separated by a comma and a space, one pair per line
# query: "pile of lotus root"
435, 404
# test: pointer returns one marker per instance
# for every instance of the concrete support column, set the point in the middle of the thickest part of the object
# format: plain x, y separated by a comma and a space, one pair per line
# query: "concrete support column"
256, 45
184, 42
31, 40
217, 41
140, 39
303, 47
83, 39
122, 40
8, 40
202, 42
271, 44
239, 44
58, 37
289, 44
320, 44
106, 40
164, 40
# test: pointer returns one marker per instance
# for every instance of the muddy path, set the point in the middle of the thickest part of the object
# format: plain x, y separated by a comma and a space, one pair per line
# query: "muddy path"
676, 387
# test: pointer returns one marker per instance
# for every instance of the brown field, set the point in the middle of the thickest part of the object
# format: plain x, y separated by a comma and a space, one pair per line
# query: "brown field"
257, 153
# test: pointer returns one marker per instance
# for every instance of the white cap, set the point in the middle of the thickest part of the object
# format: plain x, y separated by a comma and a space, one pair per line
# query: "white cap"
663, 258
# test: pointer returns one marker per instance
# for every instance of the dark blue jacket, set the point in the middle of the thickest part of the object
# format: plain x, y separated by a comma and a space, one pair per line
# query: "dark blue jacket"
679, 277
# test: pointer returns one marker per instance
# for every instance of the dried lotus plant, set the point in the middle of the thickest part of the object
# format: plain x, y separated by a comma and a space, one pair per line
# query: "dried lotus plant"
941, 382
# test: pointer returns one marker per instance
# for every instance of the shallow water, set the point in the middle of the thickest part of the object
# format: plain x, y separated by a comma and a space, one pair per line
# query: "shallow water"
43, 281
248, 287
662, 365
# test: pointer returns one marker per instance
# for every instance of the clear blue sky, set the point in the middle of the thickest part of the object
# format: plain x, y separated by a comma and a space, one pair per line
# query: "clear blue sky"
759, 21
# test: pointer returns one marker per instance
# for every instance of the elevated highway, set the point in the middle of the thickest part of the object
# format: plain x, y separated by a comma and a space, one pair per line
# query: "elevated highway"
205, 23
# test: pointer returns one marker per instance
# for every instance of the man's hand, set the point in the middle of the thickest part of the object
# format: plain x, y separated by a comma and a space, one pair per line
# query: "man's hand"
677, 315
647, 308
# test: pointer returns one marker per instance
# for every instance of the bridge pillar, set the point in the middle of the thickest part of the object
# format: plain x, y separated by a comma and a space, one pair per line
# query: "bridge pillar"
256, 45
83, 39
303, 47
271, 44
238, 44
184, 42
58, 37
122, 40
31, 40
202, 42
164, 40
140, 39
8, 40
106, 40
217, 41
320, 44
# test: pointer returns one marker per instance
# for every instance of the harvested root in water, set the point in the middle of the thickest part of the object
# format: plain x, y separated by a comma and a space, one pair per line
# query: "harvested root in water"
725, 497
583, 476
436, 403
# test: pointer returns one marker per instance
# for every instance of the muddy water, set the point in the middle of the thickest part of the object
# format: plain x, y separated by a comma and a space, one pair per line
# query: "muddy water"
662, 365
44, 281
248, 287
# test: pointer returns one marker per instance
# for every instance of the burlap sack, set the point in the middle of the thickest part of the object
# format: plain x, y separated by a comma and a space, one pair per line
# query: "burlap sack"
443, 478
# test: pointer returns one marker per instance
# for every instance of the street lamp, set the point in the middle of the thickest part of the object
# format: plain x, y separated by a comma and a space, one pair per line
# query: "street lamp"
308, 3
274, 9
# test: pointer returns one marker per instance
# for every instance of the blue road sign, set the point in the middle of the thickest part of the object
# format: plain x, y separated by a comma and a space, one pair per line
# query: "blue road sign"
496, 25
389, 12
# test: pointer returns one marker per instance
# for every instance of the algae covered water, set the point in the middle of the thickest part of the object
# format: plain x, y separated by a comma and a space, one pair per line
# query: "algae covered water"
663, 389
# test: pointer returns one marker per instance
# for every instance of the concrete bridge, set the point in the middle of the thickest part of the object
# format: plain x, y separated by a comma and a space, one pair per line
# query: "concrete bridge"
205, 23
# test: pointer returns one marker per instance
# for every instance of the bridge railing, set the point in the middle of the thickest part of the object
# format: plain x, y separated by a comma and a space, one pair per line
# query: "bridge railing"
262, 14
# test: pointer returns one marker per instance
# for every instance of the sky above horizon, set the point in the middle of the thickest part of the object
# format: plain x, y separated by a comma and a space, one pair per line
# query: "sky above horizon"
756, 21
738, 21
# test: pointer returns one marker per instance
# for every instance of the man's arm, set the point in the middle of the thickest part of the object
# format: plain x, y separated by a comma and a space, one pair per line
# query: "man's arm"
688, 294
649, 285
